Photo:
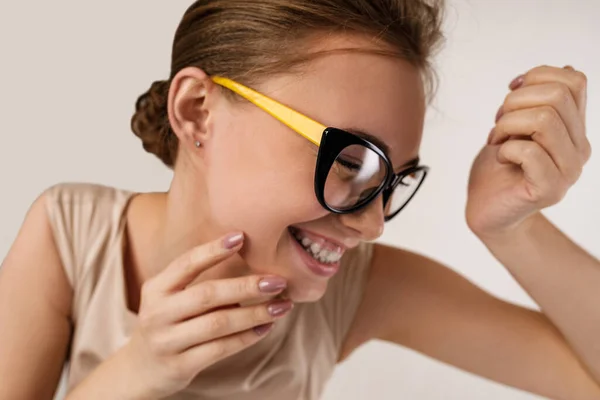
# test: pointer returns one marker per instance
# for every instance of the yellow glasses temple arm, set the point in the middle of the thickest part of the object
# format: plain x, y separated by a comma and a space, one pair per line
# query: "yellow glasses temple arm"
300, 123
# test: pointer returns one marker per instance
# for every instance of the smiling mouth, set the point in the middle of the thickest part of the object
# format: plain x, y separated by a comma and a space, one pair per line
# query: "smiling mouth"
320, 249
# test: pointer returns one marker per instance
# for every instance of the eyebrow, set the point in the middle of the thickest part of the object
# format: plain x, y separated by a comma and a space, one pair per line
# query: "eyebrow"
382, 145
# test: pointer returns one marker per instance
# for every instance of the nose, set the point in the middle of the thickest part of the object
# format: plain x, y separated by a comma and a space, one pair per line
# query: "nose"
367, 222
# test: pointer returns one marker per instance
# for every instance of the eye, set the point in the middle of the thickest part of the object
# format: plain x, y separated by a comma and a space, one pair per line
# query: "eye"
348, 164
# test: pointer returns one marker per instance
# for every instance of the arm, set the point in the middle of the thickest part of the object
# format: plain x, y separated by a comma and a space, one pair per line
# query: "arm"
561, 277
35, 309
35, 301
416, 302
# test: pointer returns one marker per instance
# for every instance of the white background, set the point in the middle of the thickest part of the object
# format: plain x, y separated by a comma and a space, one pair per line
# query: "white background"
72, 70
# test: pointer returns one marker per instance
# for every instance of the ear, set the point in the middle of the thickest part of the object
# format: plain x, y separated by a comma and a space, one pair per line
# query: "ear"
187, 106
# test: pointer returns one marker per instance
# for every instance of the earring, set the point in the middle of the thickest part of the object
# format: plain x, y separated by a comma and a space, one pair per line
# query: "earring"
197, 143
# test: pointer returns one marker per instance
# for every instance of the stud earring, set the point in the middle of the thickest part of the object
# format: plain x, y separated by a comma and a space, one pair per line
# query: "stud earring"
197, 143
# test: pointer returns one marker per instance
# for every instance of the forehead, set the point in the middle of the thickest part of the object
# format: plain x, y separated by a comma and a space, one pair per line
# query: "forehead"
360, 91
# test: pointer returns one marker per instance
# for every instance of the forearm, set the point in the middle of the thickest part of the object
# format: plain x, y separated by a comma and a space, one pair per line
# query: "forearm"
561, 277
111, 380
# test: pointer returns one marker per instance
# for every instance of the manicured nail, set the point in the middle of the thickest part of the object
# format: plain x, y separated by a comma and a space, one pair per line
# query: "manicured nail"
233, 240
279, 308
262, 330
272, 284
500, 113
517, 82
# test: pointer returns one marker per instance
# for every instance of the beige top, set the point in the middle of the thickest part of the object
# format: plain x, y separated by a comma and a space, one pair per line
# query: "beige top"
293, 362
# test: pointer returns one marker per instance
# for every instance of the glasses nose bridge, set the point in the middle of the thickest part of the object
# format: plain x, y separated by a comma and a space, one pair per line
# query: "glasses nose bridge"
393, 182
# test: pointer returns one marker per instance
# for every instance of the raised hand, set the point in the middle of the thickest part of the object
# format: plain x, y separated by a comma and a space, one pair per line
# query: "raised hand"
184, 328
535, 152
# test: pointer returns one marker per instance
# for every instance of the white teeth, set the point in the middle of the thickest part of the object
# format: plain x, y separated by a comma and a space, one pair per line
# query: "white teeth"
316, 250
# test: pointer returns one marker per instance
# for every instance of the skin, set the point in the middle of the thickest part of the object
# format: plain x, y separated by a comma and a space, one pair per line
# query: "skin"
241, 157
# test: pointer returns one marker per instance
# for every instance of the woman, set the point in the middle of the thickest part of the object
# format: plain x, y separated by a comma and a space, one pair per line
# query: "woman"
293, 129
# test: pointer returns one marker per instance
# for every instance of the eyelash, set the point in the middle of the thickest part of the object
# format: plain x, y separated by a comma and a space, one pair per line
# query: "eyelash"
347, 164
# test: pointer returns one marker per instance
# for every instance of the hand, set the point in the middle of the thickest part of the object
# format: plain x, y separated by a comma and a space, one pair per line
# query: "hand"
535, 153
185, 328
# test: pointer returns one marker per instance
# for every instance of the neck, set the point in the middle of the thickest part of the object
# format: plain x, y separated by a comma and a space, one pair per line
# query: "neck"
180, 221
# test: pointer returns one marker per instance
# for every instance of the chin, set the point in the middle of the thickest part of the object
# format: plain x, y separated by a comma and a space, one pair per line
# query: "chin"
308, 261
308, 292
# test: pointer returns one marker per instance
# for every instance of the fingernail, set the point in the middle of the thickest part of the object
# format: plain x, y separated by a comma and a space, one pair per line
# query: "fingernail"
279, 308
517, 82
262, 330
272, 284
233, 240
500, 113
570, 68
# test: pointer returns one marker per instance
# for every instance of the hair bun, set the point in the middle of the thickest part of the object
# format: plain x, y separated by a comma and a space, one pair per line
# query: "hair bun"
151, 123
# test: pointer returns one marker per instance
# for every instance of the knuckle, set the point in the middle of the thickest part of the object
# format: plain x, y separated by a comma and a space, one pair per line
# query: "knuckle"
547, 117
580, 80
586, 151
509, 101
212, 250
159, 345
531, 150
556, 196
179, 370
218, 323
573, 174
147, 320
540, 68
560, 94
188, 260
249, 285
578, 171
147, 289
206, 294
218, 349
243, 286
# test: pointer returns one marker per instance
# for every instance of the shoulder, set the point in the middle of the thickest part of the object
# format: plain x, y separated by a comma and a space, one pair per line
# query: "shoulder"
82, 194
84, 219
77, 206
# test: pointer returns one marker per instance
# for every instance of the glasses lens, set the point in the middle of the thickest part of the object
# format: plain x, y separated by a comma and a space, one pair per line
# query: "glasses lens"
404, 191
356, 173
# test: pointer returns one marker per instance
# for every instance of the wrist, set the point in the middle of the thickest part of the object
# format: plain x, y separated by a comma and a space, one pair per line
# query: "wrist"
134, 386
516, 234
115, 378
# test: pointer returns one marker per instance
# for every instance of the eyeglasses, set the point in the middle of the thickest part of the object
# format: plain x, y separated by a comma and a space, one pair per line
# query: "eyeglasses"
350, 171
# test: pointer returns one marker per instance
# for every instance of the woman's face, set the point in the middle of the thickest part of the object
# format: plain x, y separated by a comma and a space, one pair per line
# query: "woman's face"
260, 174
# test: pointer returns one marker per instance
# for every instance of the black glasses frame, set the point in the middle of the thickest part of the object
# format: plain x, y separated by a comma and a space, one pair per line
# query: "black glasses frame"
333, 142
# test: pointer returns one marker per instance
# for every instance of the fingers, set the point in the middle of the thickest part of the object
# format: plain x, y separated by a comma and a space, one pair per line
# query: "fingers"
544, 126
556, 95
187, 267
197, 358
545, 184
575, 80
547, 106
206, 296
219, 324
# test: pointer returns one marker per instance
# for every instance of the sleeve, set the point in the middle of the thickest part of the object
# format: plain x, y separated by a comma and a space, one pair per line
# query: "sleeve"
79, 216
345, 291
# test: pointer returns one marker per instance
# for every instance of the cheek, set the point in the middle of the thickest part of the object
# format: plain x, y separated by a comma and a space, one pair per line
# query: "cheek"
256, 186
